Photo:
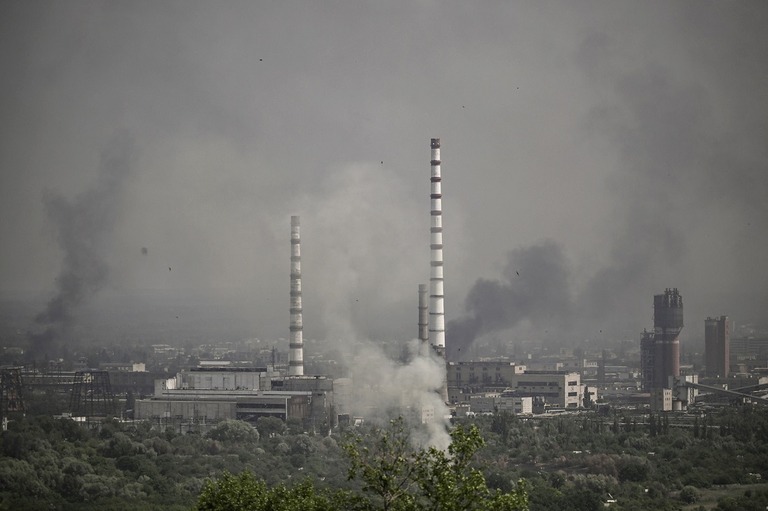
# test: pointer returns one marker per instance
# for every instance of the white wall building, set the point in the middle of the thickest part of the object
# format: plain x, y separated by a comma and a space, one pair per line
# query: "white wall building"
515, 405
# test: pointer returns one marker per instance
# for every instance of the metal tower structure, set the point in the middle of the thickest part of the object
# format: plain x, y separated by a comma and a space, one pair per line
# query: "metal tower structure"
92, 394
11, 399
423, 318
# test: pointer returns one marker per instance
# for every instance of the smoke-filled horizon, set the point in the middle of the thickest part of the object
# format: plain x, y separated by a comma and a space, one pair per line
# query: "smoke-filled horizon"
593, 155
82, 229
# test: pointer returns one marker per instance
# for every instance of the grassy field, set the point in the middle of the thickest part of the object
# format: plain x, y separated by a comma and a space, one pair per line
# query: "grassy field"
708, 497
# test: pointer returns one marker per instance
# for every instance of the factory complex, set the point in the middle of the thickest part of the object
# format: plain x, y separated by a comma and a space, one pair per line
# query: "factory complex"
648, 374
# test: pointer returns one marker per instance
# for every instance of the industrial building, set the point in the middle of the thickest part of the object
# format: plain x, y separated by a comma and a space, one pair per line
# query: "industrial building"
717, 346
562, 388
500, 402
470, 380
513, 404
207, 394
749, 353
660, 349
477, 374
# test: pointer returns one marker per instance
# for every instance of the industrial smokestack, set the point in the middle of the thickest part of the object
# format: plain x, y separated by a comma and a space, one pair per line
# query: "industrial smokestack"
296, 352
423, 316
436, 297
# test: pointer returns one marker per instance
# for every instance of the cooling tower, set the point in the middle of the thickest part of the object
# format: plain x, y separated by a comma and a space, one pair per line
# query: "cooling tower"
296, 351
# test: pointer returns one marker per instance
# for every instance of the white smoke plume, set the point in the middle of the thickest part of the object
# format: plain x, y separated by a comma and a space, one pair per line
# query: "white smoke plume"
341, 233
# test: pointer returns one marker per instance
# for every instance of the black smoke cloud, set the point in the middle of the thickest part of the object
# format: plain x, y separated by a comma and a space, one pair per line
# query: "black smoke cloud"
534, 286
83, 226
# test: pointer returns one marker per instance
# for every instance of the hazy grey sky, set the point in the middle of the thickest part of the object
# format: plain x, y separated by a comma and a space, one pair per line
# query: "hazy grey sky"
625, 139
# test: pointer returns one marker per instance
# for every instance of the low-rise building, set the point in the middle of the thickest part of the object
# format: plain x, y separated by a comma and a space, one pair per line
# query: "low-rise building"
482, 373
212, 393
516, 405
561, 389
558, 388
661, 400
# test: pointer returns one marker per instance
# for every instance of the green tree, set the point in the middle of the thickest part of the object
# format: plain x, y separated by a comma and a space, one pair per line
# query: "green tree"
387, 466
405, 478
231, 430
270, 426
245, 492
689, 494
448, 481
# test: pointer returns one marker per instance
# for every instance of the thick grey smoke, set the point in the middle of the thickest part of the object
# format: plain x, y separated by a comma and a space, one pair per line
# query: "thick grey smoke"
83, 226
686, 186
688, 190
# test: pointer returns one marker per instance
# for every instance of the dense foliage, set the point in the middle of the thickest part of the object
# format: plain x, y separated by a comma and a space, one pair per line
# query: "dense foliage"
580, 462
639, 461
395, 476
403, 478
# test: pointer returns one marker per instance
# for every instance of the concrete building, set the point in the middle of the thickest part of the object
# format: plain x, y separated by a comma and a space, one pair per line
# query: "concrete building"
647, 362
562, 389
483, 403
475, 374
199, 406
554, 388
683, 395
717, 346
206, 395
224, 378
515, 405
419, 414
749, 348
125, 367
661, 400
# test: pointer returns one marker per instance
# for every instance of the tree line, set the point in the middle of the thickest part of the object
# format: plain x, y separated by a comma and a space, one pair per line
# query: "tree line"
579, 462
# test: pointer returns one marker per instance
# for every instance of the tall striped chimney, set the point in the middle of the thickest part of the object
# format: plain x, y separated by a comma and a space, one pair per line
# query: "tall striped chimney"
424, 316
436, 297
296, 352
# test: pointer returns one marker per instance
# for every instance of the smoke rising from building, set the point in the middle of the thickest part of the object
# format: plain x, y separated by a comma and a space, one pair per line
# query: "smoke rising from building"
633, 135
534, 286
386, 388
684, 186
340, 231
83, 226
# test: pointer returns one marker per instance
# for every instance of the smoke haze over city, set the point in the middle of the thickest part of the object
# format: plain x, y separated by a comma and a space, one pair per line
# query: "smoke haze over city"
593, 154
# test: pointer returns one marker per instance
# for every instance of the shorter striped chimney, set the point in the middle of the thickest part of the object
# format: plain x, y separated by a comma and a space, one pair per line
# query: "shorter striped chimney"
424, 317
296, 351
